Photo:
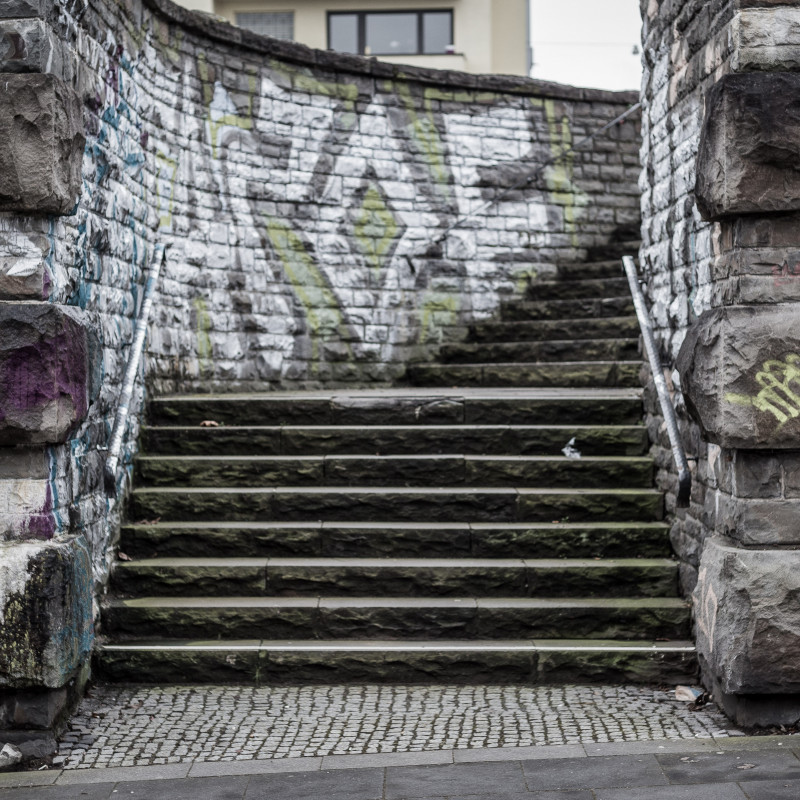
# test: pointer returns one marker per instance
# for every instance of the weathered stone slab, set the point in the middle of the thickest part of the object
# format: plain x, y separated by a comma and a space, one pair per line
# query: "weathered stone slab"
768, 38
47, 360
750, 146
24, 274
761, 522
46, 625
10, 9
740, 375
28, 45
748, 618
41, 144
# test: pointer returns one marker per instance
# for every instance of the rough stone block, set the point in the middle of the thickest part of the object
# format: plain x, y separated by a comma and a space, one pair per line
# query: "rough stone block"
46, 626
48, 362
748, 619
41, 144
768, 38
23, 269
750, 146
740, 375
10, 9
28, 45
760, 523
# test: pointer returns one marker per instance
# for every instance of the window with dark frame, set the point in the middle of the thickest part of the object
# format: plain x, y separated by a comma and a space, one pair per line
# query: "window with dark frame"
389, 33
279, 24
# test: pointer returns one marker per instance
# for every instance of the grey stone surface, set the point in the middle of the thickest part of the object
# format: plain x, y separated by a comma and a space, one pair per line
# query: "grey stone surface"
22, 8
740, 375
434, 781
755, 523
749, 143
47, 372
725, 791
28, 45
746, 616
48, 629
222, 730
744, 767
41, 145
601, 772
342, 784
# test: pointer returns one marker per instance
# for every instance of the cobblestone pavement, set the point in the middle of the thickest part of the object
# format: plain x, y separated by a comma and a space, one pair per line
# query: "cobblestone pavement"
143, 725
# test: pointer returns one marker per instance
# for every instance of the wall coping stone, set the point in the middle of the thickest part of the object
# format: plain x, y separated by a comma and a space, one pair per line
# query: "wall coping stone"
216, 28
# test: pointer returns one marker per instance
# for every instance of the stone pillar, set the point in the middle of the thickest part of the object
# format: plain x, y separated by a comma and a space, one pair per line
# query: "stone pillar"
48, 356
740, 374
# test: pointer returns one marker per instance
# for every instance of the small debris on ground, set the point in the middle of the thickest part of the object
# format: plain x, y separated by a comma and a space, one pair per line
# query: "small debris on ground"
10, 756
570, 451
687, 694
209, 423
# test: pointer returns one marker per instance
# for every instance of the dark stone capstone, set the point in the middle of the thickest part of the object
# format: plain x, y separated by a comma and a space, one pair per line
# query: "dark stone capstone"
41, 144
750, 146
46, 372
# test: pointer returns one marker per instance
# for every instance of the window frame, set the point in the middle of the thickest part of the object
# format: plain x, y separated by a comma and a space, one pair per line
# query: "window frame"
361, 28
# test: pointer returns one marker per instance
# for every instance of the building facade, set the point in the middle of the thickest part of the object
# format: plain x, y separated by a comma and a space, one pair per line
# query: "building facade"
478, 36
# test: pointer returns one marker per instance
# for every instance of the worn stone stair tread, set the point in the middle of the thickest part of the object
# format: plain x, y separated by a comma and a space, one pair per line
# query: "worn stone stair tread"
585, 287
433, 563
418, 469
553, 329
372, 563
566, 309
531, 603
545, 351
575, 645
395, 525
381, 490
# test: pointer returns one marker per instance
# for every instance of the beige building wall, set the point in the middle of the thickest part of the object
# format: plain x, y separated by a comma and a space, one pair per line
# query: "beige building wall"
490, 35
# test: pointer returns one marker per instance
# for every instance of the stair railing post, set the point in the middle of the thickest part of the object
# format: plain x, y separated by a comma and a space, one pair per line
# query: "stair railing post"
667, 409
131, 371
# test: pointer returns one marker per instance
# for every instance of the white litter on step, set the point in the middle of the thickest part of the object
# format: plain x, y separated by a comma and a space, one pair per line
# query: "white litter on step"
570, 451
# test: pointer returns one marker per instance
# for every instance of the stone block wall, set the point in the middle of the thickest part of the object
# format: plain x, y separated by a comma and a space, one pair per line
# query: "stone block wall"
720, 252
303, 197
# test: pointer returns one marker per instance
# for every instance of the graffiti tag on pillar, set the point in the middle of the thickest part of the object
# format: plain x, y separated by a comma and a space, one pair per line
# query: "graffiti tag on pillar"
707, 610
780, 392
788, 271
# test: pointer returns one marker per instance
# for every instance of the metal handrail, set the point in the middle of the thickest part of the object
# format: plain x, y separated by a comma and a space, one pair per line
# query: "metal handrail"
131, 370
667, 409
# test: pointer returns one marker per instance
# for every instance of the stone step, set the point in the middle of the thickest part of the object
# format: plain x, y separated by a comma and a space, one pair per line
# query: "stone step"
397, 577
411, 470
399, 504
546, 351
398, 539
417, 406
555, 329
612, 440
609, 268
574, 374
580, 287
267, 662
521, 310
396, 617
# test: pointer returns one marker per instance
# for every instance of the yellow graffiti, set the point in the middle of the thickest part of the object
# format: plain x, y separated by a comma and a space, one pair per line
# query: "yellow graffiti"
321, 306
166, 172
780, 393
375, 228
439, 310
219, 118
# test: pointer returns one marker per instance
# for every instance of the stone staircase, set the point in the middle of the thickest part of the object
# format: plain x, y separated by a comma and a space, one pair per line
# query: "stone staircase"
415, 534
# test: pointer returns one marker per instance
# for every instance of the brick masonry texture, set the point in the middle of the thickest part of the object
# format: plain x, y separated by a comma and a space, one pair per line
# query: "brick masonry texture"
300, 194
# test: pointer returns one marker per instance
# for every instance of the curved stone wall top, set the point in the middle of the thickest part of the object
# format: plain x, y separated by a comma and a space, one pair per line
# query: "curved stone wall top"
295, 53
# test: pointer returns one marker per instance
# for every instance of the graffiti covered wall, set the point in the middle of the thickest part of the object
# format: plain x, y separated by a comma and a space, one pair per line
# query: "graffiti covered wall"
303, 197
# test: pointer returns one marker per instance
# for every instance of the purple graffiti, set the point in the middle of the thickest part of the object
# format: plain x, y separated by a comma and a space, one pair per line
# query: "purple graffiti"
42, 524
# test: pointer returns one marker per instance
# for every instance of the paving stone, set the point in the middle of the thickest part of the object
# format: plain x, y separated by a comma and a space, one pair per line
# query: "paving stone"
723, 791
600, 772
356, 784
742, 766
408, 782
